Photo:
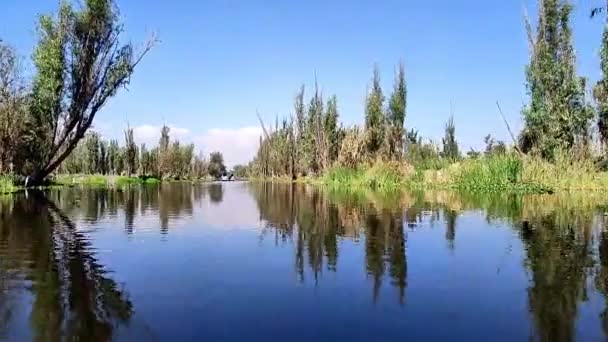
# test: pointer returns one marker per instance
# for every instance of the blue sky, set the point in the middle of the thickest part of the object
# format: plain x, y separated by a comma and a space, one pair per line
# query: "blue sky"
219, 61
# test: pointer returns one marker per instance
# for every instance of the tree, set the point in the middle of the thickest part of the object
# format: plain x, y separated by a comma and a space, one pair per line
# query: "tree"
240, 171
216, 165
12, 109
396, 114
493, 146
80, 64
199, 166
332, 134
301, 131
374, 116
557, 116
450, 146
130, 152
103, 157
600, 91
92, 152
315, 135
145, 166
113, 156
164, 154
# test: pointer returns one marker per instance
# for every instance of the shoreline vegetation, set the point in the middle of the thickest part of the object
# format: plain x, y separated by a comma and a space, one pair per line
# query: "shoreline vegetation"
9, 186
492, 174
46, 122
561, 146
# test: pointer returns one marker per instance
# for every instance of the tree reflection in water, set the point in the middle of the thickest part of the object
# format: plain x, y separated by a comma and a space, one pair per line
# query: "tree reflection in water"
73, 298
565, 246
316, 223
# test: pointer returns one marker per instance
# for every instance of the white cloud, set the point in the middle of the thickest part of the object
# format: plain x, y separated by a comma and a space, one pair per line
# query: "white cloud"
238, 145
150, 134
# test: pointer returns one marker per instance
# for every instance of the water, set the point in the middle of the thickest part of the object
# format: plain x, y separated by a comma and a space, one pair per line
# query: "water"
258, 262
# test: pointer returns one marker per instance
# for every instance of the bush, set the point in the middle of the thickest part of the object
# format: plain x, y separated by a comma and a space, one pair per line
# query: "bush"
352, 151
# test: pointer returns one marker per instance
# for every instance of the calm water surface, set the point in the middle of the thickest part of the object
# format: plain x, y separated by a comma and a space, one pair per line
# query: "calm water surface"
259, 262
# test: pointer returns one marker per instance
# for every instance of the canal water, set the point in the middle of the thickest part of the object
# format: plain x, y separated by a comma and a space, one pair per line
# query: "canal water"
260, 261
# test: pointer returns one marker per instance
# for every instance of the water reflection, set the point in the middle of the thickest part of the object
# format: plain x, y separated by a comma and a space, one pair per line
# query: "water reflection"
564, 248
73, 298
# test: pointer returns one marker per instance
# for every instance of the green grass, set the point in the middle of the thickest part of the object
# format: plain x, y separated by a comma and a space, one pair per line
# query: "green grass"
510, 172
97, 180
380, 175
125, 180
7, 185
495, 174
103, 180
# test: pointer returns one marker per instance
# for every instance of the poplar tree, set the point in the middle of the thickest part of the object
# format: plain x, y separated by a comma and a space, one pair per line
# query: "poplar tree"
374, 116
557, 116
600, 91
130, 152
396, 114
450, 146
331, 129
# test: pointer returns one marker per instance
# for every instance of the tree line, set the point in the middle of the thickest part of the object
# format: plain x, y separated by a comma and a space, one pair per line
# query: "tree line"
559, 117
79, 65
95, 155
313, 140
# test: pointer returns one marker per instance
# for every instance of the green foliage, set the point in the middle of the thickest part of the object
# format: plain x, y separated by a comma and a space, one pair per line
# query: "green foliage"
396, 115
381, 175
558, 114
7, 185
494, 173
128, 180
12, 111
600, 91
130, 155
450, 146
216, 165
493, 146
301, 147
240, 171
374, 115
331, 130
79, 65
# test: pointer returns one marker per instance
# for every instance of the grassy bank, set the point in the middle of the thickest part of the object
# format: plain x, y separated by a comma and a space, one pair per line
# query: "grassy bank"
487, 174
114, 180
103, 180
7, 185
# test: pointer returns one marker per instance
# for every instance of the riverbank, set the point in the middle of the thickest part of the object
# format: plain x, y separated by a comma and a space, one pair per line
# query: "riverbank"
8, 184
486, 174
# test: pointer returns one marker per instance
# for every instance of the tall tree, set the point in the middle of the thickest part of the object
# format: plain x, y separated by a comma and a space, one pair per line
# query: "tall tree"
12, 109
600, 91
315, 135
92, 147
103, 157
450, 146
374, 116
216, 164
332, 135
557, 116
130, 152
164, 153
80, 64
113, 156
396, 114
301, 131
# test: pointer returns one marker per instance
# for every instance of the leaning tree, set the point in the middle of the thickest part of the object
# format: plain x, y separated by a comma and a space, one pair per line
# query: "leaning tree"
80, 64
